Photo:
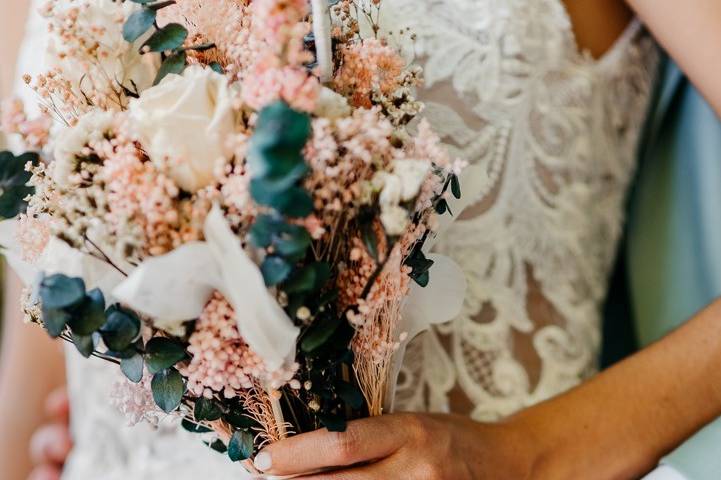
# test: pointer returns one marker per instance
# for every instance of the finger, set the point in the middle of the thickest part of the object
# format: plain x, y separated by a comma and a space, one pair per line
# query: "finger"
50, 444
364, 440
378, 471
57, 405
45, 472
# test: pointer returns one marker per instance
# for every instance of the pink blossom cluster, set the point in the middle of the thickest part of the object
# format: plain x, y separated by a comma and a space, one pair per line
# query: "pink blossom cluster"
222, 363
13, 120
278, 70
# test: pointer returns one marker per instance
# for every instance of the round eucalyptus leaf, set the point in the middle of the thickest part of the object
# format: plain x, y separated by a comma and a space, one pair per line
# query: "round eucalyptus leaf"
120, 330
194, 427
60, 291
169, 37
55, 321
240, 446
89, 316
238, 419
167, 387
162, 353
85, 344
350, 394
13, 182
138, 23
206, 410
274, 270
132, 368
309, 278
174, 63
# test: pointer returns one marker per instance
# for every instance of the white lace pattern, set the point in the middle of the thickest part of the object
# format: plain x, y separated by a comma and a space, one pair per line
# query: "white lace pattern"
555, 132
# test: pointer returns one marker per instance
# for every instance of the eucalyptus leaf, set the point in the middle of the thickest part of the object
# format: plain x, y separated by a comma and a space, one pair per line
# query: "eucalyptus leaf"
162, 353
60, 291
132, 368
217, 68
161, 5
85, 344
13, 182
455, 186
194, 427
309, 278
120, 330
320, 332
370, 239
89, 316
240, 446
174, 63
206, 410
55, 321
201, 47
170, 37
138, 23
167, 387
275, 270
238, 419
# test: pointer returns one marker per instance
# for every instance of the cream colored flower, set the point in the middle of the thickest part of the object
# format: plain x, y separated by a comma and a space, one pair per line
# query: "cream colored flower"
331, 105
183, 123
114, 60
70, 142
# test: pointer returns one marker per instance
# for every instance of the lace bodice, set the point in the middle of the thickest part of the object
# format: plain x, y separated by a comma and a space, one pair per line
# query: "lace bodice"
554, 133
551, 134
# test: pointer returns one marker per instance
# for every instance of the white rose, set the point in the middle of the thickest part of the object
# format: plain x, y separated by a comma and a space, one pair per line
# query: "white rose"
185, 120
331, 105
116, 59
69, 143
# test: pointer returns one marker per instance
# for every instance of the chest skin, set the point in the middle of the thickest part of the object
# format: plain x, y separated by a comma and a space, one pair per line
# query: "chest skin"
597, 24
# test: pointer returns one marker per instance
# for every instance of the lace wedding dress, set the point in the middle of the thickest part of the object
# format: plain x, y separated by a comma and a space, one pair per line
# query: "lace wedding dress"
550, 135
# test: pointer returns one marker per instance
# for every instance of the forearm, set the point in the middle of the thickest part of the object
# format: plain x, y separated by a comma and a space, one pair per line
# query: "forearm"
620, 423
31, 366
691, 32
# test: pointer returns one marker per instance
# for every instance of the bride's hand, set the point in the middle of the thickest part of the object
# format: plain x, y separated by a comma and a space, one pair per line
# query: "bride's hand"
405, 446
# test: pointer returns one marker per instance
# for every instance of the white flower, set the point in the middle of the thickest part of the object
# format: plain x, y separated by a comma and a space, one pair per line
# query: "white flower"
394, 219
185, 120
412, 174
115, 59
331, 105
69, 143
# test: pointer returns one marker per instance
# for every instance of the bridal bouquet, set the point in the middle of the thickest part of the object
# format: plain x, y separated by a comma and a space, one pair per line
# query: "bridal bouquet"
231, 200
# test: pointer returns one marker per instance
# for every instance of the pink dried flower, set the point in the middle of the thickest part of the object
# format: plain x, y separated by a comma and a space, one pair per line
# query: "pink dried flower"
135, 401
222, 362
33, 235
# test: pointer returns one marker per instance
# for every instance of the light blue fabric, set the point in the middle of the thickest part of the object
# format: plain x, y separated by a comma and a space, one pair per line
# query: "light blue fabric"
674, 235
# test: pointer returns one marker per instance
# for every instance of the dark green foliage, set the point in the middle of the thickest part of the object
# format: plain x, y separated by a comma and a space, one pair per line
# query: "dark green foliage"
84, 344
168, 389
174, 63
13, 182
170, 37
138, 23
121, 329
132, 367
89, 315
162, 353
60, 291
240, 446
207, 410
275, 270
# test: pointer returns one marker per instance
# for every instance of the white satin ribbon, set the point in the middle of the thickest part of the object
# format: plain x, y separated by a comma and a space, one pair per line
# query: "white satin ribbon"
174, 288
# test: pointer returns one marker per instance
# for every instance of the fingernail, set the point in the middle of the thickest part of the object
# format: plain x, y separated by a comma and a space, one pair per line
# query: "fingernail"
263, 461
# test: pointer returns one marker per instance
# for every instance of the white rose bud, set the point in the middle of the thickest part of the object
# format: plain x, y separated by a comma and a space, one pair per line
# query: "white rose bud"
185, 121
